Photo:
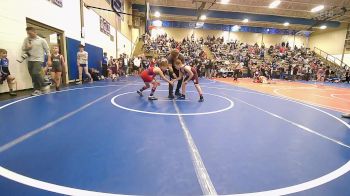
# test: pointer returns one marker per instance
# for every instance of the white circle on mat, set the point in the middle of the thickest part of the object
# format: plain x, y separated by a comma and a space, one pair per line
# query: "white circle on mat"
230, 106
65, 190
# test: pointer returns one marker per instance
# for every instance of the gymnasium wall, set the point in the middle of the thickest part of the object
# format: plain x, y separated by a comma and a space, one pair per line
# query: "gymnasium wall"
67, 18
331, 41
109, 16
251, 38
94, 36
346, 59
125, 27
13, 23
121, 30
124, 45
272, 39
135, 35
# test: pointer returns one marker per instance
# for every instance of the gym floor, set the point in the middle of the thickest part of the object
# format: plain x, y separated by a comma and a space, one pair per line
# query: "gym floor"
246, 138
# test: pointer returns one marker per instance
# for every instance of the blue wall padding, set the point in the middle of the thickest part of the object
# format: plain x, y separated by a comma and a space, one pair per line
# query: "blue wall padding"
95, 57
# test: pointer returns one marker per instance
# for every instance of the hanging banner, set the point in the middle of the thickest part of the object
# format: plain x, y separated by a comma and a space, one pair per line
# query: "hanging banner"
59, 3
105, 27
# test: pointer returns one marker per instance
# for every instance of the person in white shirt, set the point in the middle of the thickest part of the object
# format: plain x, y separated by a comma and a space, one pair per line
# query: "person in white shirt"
137, 65
126, 64
82, 63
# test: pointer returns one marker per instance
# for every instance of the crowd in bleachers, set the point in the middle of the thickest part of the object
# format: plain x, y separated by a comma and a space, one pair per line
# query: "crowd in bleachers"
227, 59
279, 61
236, 59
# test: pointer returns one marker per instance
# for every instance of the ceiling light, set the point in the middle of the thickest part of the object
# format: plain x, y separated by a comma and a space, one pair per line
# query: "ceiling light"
323, 27
317, 8
224, 1
274, 4
157, 14
286, 24
245, 20
203, 17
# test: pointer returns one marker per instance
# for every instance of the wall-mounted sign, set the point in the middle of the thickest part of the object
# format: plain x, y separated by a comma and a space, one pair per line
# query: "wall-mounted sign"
118, 6
57, 2
105, 27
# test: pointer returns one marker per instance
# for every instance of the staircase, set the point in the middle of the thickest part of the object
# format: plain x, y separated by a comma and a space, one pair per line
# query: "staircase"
328, 58
138, 48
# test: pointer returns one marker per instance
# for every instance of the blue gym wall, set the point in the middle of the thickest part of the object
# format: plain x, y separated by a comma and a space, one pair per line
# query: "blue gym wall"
95, 57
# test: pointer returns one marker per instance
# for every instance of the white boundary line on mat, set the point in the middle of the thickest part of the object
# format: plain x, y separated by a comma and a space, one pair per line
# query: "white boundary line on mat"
230, 106
283, 191
201, 172
306, 185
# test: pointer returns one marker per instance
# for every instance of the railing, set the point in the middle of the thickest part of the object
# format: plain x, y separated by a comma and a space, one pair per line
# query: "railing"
330, 57
133, 45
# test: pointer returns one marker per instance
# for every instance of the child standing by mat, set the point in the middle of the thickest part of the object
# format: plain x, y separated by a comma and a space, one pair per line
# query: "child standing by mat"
190, 73
58, 65
148, 77
82, 62
5, 72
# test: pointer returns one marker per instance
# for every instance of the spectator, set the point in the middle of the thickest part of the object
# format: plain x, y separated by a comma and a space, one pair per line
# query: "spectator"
295, 72
137, 65
105, 65
109, 69
58, 67
82, 63
34, 48
5, 72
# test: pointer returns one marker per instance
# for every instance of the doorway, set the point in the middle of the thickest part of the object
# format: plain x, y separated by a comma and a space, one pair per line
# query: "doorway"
53, 36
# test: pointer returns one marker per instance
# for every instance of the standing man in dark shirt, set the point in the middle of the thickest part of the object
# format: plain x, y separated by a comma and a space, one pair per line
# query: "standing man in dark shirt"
295, 72
327, 73
105, 65
290, 67
173, 56
347, 75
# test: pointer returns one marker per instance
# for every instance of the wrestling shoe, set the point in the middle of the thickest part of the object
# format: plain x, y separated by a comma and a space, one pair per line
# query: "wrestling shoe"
152, 98
36, 93
12, 94
45, 89
201, 99
182, 97
140, 93
171, 96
